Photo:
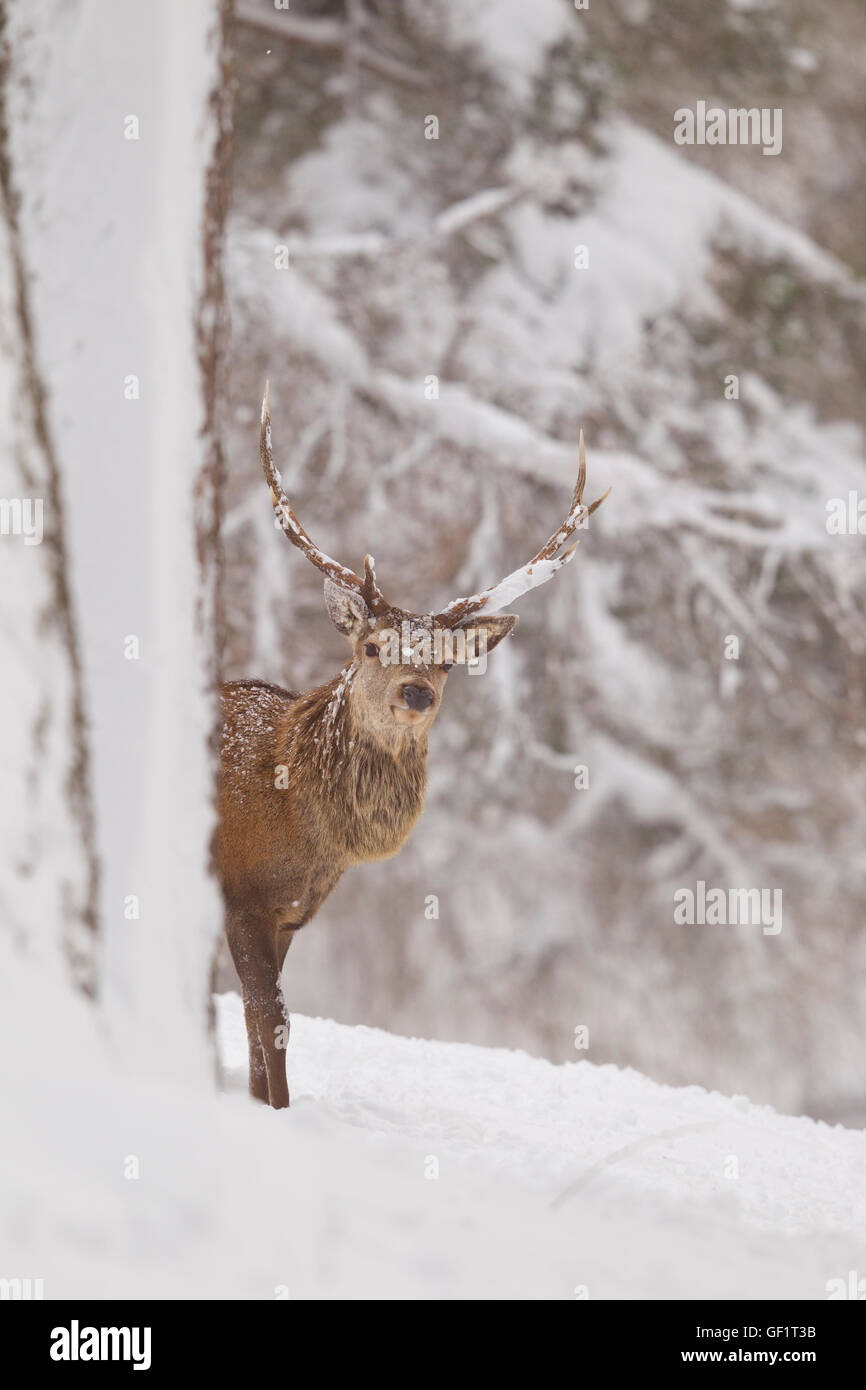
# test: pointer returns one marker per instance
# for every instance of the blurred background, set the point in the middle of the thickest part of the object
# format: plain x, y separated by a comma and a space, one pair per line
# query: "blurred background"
410, 183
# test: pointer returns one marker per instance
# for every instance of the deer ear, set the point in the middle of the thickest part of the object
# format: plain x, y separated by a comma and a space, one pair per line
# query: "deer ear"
347, 610
496, 628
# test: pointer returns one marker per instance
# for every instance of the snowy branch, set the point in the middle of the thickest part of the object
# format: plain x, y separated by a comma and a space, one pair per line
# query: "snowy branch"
447, 223
329, 34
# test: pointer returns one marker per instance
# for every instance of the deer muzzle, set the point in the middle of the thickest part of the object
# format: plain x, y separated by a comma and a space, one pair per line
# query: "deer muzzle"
417, 697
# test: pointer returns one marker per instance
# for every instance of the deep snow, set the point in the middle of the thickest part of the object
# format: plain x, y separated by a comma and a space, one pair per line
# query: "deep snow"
552, 1180
577, 1128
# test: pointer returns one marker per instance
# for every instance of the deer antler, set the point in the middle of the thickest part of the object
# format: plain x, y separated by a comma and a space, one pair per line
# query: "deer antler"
366, 587
538, 570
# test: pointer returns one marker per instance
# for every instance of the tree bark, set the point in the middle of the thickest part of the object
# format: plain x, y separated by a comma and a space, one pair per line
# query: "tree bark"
117, 138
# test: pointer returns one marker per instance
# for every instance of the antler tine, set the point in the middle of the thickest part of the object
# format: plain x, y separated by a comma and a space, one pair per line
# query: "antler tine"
581, 481
581, 470
373, 595
366, 587
539, 569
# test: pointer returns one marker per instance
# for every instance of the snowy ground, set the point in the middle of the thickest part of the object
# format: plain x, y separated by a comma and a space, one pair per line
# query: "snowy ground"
551, 1179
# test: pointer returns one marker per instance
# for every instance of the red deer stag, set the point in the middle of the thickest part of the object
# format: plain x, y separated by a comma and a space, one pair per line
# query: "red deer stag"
313, 783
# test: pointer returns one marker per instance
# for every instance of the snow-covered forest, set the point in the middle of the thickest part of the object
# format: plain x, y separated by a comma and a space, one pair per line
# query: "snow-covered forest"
445, 267
452, 234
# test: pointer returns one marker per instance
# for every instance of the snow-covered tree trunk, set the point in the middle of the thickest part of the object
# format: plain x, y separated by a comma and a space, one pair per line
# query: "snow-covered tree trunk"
117, 138
48, 897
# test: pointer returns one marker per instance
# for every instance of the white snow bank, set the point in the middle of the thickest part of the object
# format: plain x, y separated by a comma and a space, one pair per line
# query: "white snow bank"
577, 1127
335, 1198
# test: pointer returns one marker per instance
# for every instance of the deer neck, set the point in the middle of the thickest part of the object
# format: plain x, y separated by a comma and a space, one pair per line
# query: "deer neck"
368, 790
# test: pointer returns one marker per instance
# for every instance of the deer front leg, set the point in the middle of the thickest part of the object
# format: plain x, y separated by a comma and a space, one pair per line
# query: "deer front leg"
268, 1032
274, 1026
258, 962
258, 1070
272, 1022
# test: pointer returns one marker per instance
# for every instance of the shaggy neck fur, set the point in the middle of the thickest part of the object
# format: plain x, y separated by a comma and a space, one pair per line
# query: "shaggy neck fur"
369, 790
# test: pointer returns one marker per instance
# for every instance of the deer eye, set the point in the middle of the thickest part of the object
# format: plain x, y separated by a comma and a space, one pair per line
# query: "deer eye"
446, 666
371, 649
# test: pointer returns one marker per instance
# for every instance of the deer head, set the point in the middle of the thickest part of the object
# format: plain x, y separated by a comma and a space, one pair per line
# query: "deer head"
401, 659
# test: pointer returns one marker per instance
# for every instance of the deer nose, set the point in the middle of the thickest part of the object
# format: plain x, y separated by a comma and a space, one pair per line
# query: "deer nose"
417, 696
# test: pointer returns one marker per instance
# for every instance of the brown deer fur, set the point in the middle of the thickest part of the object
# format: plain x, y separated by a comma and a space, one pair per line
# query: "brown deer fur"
310, 785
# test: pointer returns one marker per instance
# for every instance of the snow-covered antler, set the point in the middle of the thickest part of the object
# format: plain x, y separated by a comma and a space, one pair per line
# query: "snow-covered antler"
540, 568
346, 578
